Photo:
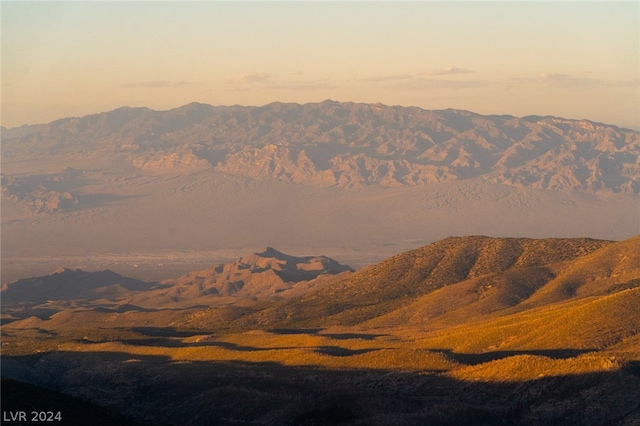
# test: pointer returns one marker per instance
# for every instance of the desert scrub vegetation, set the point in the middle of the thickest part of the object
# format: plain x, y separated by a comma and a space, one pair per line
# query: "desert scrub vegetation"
518, 368
590, 323
329, 354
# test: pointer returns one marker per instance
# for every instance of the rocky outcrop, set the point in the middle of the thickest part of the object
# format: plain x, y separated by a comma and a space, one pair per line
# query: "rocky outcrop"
37, 197
263, 274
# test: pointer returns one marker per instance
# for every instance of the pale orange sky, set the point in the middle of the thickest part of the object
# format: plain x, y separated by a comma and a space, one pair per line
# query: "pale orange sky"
569, 59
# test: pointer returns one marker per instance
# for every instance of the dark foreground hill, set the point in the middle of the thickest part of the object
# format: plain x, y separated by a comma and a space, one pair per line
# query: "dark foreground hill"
46, 406
468, 330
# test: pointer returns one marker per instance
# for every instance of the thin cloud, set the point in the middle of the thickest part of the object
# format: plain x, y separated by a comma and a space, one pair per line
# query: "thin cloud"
267, 81
156, 84
568, 81
252, 78
449, 71
390, 77
299, 85
555, 77
626, 83
430, 84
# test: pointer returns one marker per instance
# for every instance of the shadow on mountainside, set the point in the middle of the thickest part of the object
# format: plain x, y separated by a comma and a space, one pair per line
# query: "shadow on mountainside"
295, 330
176, 343
156, 389
475, 359
170, 338
163, 332
316, 331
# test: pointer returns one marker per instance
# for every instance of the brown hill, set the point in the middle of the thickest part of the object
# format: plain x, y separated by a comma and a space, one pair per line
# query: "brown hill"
65, 285
461, 279
613, 267
258, 275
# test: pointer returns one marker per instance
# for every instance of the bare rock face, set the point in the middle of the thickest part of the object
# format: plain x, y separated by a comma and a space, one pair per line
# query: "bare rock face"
171, 163
348, 145
36, 194
266, 273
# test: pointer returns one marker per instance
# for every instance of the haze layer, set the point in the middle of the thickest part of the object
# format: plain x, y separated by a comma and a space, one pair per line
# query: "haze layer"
357, 182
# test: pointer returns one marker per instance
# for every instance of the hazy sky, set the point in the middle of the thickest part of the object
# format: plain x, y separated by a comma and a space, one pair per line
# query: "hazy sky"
570, 59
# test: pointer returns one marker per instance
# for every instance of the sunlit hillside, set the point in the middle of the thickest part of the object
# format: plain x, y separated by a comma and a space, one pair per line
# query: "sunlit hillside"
506, 330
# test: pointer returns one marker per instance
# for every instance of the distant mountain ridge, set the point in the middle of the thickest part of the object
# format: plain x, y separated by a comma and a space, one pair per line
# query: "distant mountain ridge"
67, 284
347, 145
262, 274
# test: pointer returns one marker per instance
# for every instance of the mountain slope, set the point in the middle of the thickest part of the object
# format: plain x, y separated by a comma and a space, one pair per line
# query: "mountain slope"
453, 273
589, 323
612, 268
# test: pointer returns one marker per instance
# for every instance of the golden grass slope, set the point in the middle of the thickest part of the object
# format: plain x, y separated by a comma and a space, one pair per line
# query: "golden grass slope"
592, 323
593, 334
604, 271
507, 269
609, 269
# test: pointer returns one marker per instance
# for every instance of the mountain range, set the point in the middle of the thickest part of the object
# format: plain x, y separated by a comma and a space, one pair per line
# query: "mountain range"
452, 281
153, 194
446, 282
345, 145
